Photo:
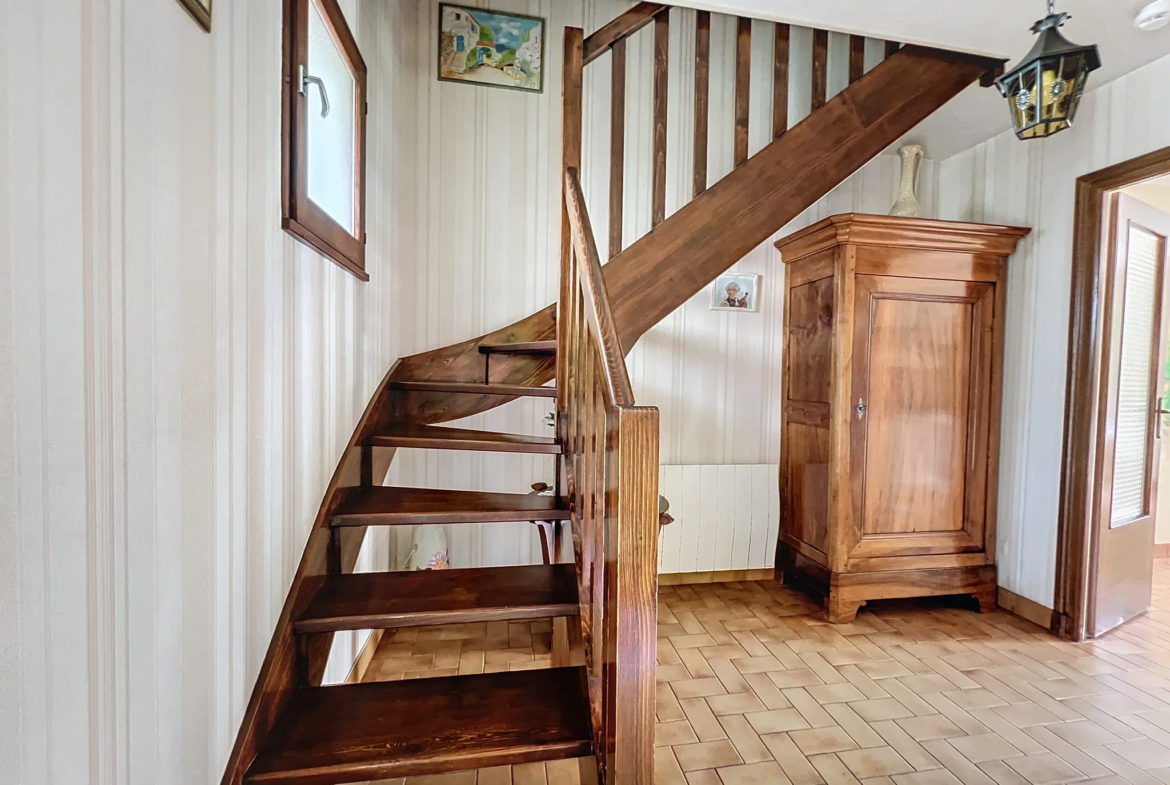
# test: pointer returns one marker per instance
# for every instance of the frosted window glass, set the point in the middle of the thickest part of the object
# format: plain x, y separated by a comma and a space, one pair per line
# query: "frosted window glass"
1130, 466
332, 171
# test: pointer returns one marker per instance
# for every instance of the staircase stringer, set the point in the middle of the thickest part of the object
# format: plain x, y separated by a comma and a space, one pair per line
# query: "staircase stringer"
280, 673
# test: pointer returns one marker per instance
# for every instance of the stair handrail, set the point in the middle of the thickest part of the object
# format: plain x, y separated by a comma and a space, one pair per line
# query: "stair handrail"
610, 464
586, 267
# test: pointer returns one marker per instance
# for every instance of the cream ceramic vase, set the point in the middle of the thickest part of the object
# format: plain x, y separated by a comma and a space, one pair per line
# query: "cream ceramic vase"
908, 205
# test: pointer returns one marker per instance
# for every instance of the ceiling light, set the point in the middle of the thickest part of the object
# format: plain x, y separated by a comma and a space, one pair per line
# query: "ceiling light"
1045, 89
1155, 16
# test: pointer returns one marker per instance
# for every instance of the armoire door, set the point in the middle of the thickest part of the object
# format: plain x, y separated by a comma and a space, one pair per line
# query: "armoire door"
1134, 350
921, 421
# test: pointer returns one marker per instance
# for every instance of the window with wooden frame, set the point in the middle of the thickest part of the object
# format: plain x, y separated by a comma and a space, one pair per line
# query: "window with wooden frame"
324, 133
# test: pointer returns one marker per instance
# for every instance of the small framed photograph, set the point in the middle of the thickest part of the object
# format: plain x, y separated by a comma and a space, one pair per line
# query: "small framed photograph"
734, 292
200, 11
492, 48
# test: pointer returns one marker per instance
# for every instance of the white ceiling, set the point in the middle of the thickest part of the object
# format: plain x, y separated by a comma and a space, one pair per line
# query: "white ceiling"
1001, 28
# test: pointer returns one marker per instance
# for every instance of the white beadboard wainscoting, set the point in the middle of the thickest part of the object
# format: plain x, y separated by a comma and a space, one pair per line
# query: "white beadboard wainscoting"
726, 517
1034, 184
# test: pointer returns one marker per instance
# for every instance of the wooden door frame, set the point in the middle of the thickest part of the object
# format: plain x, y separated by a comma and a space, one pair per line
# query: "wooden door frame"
1076, 540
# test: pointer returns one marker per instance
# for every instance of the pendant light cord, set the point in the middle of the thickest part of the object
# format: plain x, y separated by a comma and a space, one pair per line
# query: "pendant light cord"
1051, 7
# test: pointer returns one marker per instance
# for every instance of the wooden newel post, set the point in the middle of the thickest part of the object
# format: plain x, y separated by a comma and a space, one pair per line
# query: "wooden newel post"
632, 588
571, 157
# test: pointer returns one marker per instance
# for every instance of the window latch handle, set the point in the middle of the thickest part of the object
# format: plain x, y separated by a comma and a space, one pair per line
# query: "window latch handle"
306, 80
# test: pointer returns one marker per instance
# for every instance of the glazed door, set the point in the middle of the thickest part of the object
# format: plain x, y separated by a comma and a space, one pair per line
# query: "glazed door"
1134, 351
922, 363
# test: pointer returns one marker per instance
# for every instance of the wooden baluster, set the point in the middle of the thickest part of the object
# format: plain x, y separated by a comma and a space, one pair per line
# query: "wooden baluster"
658, 151
631, 627
780, 80
820, 69
571, 154
743, 87
856, 57
702, 92
617, 147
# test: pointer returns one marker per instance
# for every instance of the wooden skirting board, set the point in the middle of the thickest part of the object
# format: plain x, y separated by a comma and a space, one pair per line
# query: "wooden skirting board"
1025, 608
1162, 550
719, 576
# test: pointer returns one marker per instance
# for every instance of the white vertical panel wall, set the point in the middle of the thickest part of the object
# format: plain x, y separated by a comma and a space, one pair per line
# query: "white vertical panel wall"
1033, 184
726, 517
177, 379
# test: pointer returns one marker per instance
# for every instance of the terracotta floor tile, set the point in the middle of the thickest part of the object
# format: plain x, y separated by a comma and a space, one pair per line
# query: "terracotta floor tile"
745, 739
875, 762
930, 727
989, 746
754, 686
817, 741
933, 777
1025, 714
1046, 769
739, 703
776, 721
768, 773
795, 765
1144, 753
697, 688
706, 755
668, 734
880, 709
1083, 734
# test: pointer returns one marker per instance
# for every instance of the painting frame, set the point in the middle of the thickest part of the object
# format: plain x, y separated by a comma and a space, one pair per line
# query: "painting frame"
542, 23
749, 283
200, 11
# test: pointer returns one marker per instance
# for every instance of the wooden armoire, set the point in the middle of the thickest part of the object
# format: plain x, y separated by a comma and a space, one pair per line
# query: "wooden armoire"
891, 408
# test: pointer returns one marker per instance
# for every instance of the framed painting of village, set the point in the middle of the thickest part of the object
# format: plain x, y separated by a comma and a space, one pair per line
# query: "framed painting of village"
491, 48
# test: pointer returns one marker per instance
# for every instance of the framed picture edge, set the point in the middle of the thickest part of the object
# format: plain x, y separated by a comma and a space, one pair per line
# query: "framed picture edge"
439, 48
716, 289
200, 14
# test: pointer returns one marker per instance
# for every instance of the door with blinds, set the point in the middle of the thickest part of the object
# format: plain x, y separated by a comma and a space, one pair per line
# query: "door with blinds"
1134, 344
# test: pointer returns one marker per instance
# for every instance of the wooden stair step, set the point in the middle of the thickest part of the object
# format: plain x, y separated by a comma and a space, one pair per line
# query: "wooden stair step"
417, 598
477, 389
383, 730
435, 437
526, 347
398, 506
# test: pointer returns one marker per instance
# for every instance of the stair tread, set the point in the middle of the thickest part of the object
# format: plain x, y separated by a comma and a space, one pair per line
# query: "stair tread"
382, 600
382, 730
523, 347
477, 388
443, 438
393, 505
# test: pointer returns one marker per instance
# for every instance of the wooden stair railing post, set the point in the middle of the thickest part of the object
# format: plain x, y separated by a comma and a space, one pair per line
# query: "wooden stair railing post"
632, 590
612, 462
571, 151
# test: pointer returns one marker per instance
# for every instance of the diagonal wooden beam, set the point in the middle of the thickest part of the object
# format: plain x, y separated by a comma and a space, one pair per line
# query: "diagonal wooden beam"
621, 28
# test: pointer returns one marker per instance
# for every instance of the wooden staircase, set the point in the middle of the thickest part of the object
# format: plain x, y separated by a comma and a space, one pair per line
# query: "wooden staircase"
605, 454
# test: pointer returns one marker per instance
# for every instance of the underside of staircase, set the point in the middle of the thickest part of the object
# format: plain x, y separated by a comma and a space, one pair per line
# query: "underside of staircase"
297, 731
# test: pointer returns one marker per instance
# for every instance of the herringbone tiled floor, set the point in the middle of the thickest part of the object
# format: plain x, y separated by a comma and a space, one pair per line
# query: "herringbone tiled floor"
753, 687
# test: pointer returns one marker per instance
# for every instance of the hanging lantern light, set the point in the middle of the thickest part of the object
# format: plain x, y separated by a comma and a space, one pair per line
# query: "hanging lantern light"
1044, 90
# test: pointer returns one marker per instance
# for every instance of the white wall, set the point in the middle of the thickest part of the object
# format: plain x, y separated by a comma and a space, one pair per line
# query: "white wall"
177, 378
481, 249
1033, 184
